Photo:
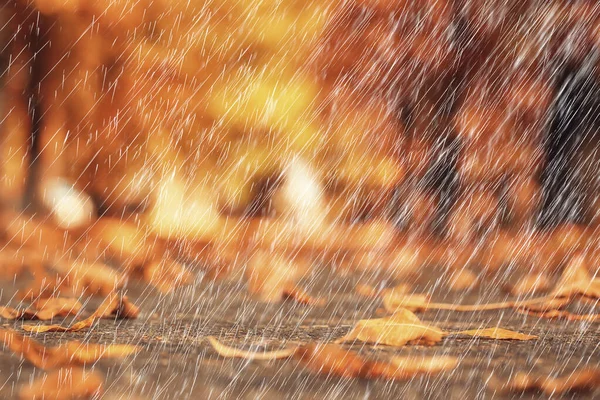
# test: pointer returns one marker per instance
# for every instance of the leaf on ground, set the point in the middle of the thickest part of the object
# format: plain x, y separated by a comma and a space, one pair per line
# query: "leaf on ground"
90, 278
562, 314
85, 353
65, 383
581, 380
232, 352
394, 300
576, 280
334, 360
529, 284
113, 306
396, 330
13, 313
47, 309
65, 354
270, 275
495, 333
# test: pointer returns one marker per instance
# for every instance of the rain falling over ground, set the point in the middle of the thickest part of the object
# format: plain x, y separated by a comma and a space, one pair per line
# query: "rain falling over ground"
265, 199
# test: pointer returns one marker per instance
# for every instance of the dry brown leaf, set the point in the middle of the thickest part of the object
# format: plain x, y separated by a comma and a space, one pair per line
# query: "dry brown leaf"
29, 349
47, 309
463, 279
580, 380
332, 359
65, 354
13, 313
85, 353
65, 383
394, 300
269, 276
576, 280
495, 333
396, 330
113, 306
227, 351
530, 284
562, 314
91, 278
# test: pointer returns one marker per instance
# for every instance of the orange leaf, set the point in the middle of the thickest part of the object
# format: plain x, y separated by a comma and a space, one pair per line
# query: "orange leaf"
83, 353
58, 306
496, 333
231, 352
396, 330
331, 359
66, 383
64, 354
584, 379
576, 280
113, 305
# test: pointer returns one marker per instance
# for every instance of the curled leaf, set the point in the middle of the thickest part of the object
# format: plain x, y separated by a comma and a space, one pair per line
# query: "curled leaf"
576, 280
232, 352
113, 305
56, 307
66, 383
496, 333
396, 330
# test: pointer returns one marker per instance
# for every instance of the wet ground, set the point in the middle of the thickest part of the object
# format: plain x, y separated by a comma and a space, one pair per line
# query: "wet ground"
177, 362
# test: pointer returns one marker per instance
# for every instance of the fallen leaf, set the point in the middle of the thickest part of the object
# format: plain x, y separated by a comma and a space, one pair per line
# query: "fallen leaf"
393, 300
580, 380
91, 278
270, 276
13, 313
562, 314
65, 383
29, 349
113, 306
85, 353
576, 280
56, 307
404, 327
232, 352
65, 354
396, 330
333, 360
495, 333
